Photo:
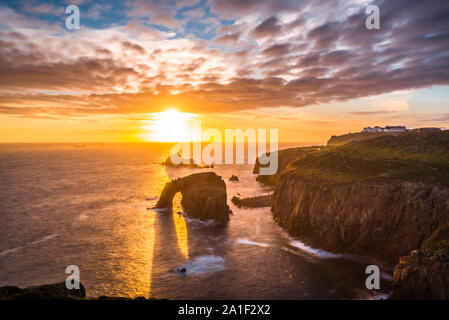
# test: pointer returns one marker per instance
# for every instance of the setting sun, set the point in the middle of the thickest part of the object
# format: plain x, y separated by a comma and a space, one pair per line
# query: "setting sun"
169, 126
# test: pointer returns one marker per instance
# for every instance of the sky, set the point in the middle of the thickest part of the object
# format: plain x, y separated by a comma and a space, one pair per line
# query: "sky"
311, 69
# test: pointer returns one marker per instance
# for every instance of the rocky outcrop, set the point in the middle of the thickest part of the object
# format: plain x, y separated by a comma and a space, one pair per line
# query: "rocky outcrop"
254, 202
203, 196
234, 178
381, 197
424, 274
382, 218
185, 163
55, 291
285, 157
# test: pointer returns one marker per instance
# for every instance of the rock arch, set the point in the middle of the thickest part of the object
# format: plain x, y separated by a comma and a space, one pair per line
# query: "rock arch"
203, 196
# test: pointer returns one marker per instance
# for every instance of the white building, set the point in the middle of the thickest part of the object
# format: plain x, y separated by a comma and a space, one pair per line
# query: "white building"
386, 129
375, 129
395, 128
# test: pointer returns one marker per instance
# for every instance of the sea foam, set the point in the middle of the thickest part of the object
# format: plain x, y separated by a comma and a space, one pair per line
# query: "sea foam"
204, 264
249, 242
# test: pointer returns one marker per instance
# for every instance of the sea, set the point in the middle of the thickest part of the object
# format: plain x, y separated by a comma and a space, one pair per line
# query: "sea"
91, 206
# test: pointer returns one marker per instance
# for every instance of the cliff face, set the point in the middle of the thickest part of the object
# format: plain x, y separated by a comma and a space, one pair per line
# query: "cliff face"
385, 219
424, 274
382, 197
203, 196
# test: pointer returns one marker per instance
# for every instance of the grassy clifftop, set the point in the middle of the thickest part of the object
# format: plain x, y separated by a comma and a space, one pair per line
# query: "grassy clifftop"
431, 148
335, 141
411, 156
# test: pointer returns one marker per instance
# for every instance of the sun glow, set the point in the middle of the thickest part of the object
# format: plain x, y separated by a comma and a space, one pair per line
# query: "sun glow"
169, 126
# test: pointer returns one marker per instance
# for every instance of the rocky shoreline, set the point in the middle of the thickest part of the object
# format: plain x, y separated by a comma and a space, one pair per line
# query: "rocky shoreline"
54, 291
382, 198
424, 274
380, 218
364, 198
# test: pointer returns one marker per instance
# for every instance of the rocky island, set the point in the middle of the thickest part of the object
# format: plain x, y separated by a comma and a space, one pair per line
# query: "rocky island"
203, 196
382, 197
185, 163
253, 202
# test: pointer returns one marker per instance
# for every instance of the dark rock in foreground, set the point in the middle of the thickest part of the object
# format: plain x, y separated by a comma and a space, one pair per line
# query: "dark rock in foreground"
424, 274
234, 178
203, 196
254, 202
55, 291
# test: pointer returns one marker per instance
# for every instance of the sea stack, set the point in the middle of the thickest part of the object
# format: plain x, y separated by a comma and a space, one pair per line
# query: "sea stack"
203, 196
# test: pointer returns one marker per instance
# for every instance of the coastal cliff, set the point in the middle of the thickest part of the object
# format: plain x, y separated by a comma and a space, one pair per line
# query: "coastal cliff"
382, 198
285, 157
384, 219
424, 274
203, 196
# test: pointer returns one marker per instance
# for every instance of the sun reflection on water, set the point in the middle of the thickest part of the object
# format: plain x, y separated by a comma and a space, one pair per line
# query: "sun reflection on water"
180, 227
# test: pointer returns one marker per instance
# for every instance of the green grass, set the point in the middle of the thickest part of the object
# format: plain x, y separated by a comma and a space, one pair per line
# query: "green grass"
431, 148
439, 241
411, 156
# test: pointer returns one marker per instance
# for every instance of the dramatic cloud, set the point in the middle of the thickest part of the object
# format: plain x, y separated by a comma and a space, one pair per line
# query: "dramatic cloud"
218, 56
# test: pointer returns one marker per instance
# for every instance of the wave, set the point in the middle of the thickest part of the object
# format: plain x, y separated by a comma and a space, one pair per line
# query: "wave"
378, 296
205, 223
204, 264
82, 216
386, 276
159, 209
249, 242
329, 255
294, 242
8, 251
5, 252
317, 252
45, 238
